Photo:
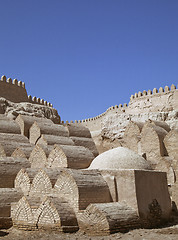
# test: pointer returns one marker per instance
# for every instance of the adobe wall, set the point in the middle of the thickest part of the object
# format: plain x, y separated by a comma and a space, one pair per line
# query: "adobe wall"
147, 102
95, 123
14, 91
164, 100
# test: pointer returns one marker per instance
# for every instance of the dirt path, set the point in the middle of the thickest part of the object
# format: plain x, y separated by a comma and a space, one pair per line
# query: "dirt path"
168, 233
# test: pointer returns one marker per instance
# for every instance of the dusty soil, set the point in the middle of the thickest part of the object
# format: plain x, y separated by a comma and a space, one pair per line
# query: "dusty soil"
166, 233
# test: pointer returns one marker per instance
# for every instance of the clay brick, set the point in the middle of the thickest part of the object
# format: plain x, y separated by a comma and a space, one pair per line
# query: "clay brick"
152, 144
7, 196
39, 155
132, 135
9, 126
37, 129
82, 187
9, 142
76, 130
24, 180
9, 167
51, 140
87, 143
44, 181
25, 122
107, 218
76, 157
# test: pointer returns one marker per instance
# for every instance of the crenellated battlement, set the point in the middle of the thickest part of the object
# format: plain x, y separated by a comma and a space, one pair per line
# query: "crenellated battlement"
10, 81
162, 99
119, 107
155, 91
36, 100
14, 91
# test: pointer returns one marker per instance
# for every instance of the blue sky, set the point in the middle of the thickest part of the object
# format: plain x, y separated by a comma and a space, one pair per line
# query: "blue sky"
87, 55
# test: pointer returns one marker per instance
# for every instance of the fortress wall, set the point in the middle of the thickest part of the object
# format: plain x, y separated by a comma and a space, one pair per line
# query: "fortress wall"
14, 91
162, 100
36, 100
95, 123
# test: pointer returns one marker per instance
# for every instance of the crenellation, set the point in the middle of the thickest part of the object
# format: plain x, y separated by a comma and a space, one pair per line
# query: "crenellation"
9, 80
132, 97
20, 83
166, 89
149, 92
30, 98
23, 84
3, 78
139, 94
155, 91
161, 90
124, 108
15, 91
34, 99
173, 87
144, 93
15, 82
141, 101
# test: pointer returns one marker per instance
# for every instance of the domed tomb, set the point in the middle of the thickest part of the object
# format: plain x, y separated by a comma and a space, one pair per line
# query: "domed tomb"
119, 158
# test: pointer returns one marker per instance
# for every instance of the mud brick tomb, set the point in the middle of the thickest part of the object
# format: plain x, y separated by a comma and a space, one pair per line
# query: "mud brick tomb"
110, 173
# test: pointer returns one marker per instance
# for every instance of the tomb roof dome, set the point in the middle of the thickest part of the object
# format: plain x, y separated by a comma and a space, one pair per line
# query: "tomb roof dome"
119, 158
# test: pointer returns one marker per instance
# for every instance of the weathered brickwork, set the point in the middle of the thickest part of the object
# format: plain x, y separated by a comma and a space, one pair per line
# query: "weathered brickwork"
51, 177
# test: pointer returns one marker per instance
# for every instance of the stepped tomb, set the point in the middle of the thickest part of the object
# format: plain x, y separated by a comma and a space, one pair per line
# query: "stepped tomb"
111, 173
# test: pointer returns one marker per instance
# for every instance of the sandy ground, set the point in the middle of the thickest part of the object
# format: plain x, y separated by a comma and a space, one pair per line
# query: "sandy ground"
166, 233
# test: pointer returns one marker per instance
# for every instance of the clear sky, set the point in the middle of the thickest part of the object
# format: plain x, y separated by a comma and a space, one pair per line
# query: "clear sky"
87, 55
